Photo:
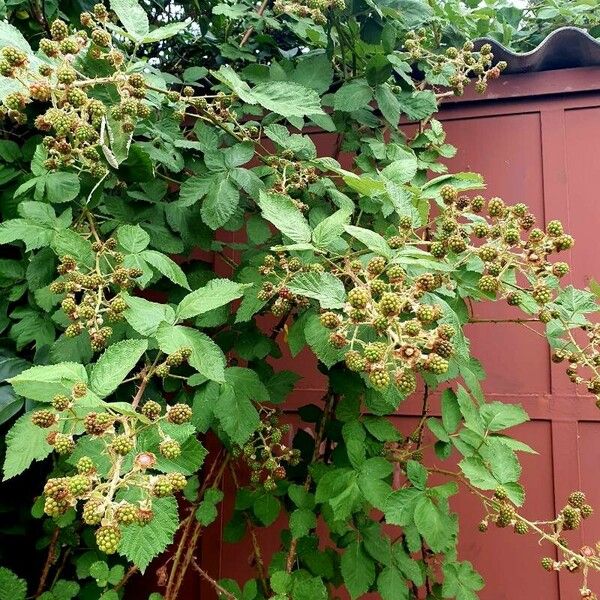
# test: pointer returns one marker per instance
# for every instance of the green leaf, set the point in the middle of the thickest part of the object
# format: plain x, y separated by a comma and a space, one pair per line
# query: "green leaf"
140, 544
358, 570
317, 337
497, 416
327, 234
418, 105
114, 365
236, 414
435, 525
133, 17
372, 240
11, 36
324, 287
165, 32
285, 215
25, 443
403, 168
145, 316
302, 520
417, 474
43, 382
352, 96
451, 415
216, 293
11, 586
207, 358
32, 234
62, 186
388, 104
167, 267
436, 427
221, 202
461, 581
392, 585
132, 238
287, 99
266, 508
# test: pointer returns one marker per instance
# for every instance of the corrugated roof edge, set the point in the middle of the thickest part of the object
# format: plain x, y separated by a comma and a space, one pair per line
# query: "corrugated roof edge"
565, 48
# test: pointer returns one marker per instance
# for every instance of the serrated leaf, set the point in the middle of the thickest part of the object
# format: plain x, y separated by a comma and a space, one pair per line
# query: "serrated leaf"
140, 544
62, 186
372, 240
207, 358
358, 569
167, 267
216, 293
352, 96
165, 32
11, 586
285, 215
114, 364
43, 382
133, 17
328, 232
220, 203
433, 524
497, 416
25, 443
236, 414
324, 287
132, 238
145, 316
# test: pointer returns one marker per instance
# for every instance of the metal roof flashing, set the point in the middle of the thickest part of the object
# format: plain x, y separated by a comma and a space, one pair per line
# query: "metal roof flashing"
564, 48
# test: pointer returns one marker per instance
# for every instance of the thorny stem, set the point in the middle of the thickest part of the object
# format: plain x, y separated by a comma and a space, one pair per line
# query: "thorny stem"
219, 588
132, 571
260, 565
249, 31
50, 556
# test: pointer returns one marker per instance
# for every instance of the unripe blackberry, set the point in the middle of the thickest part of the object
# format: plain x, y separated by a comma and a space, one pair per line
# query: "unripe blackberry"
69, 46
457, 243
448, 193
56, 488
55, 508
496, 207
101, 38
554, 228
375, 352
330, 320
577, 499
86, 466
100, 11
15, 101
521, 528
427, 282
162, 371
512, 236
541, 294
338, 339
358, 298
488, 253
126, 514
63, 444
390, 304
78, 485
59, 30
488, 284
405, 222
108, 538
122, 445
177, 481
376, 265
547, 563
513, 298
434, 363
412, 327
14, 56
506, 514
175, 359
483, 526
136, 80
480, 230
280, 307
61, 402
425, 313
170, 449
396, 242
380, 323
79, 390
179, 414
443, 347
162, 487
143, 111
571, 518
560, 269
6, 69
151, 410
395, 274
43, 418
354, 361
586, 511
477, 204
405, 381
66, 74
93, 511
378, 287
564, 242
494, 268
379, 377
437, 250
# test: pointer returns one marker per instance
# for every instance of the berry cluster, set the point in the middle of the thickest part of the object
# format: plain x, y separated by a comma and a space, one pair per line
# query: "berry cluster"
265, 452
463, 63
90, 297
101, 492
292, 178
313, 9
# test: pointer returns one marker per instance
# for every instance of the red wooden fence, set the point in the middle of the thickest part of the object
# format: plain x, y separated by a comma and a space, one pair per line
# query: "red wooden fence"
536, 139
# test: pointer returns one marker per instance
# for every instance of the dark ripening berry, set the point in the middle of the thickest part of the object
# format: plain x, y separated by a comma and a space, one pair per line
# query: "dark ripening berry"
43, 418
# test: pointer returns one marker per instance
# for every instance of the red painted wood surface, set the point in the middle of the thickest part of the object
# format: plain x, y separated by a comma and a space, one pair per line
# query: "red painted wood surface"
536, 139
